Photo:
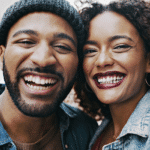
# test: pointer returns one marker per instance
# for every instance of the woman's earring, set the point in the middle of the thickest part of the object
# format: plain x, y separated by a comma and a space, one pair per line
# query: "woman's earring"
87, 88
146, 79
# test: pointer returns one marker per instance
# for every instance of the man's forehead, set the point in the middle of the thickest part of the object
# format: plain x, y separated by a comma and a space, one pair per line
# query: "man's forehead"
36, 19
41, 23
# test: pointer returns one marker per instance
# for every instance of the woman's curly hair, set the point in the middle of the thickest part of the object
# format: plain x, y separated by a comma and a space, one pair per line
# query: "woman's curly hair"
138, 13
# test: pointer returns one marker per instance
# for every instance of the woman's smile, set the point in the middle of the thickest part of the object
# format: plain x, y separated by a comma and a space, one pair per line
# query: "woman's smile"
109, 79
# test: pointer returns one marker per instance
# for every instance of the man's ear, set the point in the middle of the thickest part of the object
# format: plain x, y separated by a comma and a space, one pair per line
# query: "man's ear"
2, 50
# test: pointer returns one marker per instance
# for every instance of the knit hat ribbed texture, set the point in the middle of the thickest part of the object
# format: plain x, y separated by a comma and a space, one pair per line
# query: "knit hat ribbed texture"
21, 8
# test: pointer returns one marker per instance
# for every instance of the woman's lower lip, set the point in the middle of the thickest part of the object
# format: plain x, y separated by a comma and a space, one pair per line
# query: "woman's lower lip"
108, 85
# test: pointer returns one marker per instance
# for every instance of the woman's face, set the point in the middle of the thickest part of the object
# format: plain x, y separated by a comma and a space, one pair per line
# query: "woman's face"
114, 59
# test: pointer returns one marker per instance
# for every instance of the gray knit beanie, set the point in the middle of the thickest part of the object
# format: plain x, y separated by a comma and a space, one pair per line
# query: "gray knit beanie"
61, 8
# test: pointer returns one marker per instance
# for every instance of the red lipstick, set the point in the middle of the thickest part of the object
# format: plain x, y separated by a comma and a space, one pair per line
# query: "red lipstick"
108, 79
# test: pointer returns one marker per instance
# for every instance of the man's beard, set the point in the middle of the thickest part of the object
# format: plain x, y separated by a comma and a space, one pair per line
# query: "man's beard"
35, 110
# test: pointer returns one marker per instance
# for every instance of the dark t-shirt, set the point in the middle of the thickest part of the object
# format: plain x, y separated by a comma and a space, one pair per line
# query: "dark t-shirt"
2, 87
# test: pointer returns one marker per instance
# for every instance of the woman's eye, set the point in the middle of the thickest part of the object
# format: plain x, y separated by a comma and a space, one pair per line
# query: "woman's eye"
122, 48
89, 52
62, 49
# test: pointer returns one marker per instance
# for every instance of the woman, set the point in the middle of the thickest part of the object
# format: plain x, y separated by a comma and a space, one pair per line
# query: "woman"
116, 64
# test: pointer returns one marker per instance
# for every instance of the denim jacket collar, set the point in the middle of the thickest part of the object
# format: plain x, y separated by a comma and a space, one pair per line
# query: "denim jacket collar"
137, 124
4, 137
64, 113
98, 132
67, 111
139, 120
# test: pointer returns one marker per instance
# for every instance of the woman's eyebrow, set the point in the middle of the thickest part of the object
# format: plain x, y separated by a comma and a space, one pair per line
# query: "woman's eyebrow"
116, 37
113, 38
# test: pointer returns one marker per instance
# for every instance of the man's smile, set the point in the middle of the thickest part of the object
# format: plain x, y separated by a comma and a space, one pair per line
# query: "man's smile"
39, 82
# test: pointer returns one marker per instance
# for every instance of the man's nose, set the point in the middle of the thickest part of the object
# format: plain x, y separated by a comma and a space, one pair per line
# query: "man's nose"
43, 55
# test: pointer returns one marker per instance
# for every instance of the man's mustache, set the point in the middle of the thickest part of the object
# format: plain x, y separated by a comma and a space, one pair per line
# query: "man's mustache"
49, 70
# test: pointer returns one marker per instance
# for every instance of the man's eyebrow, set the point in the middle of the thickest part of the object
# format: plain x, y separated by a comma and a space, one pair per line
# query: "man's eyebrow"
30, 32
65, 36
116, 37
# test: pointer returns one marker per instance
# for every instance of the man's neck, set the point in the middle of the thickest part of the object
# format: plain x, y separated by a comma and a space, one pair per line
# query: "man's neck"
20, 127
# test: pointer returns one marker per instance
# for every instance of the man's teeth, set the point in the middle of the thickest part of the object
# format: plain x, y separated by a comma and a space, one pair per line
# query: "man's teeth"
39, 81
109, 79
35, 87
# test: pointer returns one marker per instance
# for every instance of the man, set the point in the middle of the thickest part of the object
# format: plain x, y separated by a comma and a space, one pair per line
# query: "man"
40, 42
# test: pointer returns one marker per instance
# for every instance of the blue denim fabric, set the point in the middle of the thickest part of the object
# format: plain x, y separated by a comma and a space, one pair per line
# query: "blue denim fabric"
136, 133
76, 130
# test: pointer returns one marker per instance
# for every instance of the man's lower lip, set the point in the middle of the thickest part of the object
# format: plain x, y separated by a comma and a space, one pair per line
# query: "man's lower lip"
108, 85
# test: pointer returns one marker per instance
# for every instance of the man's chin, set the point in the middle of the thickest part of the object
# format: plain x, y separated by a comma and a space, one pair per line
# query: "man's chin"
37, 110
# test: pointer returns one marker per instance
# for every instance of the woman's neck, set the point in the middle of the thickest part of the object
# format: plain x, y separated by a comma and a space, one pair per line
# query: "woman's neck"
121, 112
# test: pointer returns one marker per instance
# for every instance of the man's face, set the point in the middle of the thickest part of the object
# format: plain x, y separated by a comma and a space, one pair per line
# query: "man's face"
40, 63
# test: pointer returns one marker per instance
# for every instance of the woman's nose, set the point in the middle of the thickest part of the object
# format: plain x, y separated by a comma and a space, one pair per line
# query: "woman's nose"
104, 59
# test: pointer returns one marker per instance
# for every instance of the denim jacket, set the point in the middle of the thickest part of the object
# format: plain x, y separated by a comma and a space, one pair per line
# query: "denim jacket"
136, 133
76, 130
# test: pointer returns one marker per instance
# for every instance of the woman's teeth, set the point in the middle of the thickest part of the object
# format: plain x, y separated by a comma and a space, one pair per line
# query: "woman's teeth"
109, 79
39, 83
